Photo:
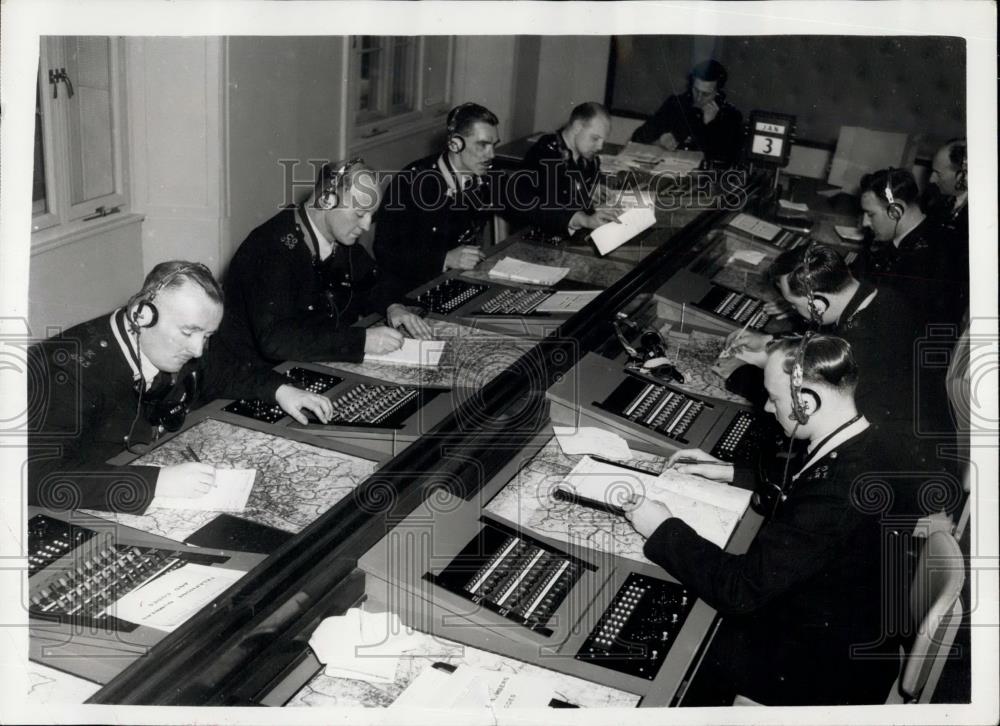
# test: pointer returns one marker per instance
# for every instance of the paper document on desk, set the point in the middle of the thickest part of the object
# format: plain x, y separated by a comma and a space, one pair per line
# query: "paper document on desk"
515, 270
363, 645
479, 688
751, 257
567, 301
230, 494
793, 206
167, 601
413, 353
711, 509
609, 237
755, 226
591, 440
852, 234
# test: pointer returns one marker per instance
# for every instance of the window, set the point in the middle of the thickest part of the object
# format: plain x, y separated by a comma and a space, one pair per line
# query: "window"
79, 172
397, 81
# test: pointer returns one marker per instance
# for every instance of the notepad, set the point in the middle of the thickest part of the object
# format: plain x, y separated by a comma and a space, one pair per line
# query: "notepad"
515, 270
751, 257
414, 352
567, 301
167, 601
711, 509
609, 237
755, 226
230, 494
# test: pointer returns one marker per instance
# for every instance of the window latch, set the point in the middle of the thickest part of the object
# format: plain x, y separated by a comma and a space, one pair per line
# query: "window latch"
55, 76
102, 211
376, 131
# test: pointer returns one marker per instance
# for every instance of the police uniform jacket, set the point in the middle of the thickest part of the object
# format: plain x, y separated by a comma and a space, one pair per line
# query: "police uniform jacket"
720, 140
807, 589
284, 303
425, 213
84, 394
556, 186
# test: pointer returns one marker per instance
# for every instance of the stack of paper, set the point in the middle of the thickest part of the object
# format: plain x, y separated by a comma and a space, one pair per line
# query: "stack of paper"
413, 353
363, 645
230, 493
515, 270
712, 509
680, 163
754, 226
609, 237
167, 601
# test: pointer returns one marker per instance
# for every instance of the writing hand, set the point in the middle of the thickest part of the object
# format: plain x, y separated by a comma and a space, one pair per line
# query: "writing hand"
382, 339
187, 480
464, 257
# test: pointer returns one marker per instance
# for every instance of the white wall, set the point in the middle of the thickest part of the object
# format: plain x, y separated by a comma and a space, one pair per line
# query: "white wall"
177, 147
484, 74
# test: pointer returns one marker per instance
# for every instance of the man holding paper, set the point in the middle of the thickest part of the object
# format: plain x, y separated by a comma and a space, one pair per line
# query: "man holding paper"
810, 586
119, 381
300, 280
561, 174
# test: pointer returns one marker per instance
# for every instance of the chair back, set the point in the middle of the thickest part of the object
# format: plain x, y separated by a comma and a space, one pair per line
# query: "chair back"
936, 608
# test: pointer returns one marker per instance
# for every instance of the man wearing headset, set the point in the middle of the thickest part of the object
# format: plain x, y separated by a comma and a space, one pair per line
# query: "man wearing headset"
700, 119
949, 188
436, 208
908, 251
117, 382
564, 171
810, 586
299, 281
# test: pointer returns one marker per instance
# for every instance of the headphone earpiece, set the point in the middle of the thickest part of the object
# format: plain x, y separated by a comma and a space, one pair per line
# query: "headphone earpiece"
145, 314
820, 304
961, 183
456, 144
894, 210
809, 402
328, 201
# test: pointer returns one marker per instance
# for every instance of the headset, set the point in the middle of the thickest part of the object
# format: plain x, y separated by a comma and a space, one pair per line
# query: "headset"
651, 355
805, 401
330, 198
813, 299
893, 209
145, 314
456, 144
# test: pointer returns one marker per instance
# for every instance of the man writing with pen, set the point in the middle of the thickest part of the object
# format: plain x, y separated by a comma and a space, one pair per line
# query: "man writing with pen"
300, 280
809, 588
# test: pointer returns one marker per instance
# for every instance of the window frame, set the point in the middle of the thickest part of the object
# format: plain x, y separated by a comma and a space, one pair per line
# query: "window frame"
61, 217
364, 131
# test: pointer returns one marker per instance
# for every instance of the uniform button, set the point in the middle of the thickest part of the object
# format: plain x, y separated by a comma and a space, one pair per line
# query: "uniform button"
833, 455
103, 344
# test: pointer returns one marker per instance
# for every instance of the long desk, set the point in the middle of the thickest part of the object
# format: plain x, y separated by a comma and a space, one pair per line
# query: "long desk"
346, 495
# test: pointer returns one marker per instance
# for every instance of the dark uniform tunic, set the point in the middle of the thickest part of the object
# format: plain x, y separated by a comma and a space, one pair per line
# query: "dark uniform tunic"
83, 395
556, 186
720, 140
426, 213
284, 303
808, 588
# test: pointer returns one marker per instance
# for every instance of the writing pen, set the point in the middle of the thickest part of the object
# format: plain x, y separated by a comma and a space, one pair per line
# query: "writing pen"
191, 455
700, 461
729, 348
623, 466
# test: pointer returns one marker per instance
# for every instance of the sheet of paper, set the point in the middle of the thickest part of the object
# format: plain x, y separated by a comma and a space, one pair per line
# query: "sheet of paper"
592, 440
413, 353
755, 226
362, 645
609, 237
567, 301
167, 601
515, 270
751, 257
632, 199
850, 233
471, 687
230, 494
712, 509
860, 151
793, 206
830, 192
